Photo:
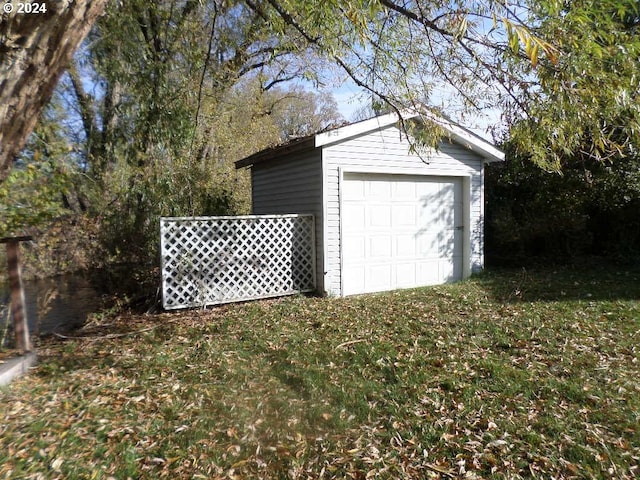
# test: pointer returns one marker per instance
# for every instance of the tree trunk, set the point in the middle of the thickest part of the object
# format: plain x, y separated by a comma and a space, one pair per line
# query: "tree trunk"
35, 49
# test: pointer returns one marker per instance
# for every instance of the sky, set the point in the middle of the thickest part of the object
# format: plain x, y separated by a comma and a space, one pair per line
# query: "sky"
351, 99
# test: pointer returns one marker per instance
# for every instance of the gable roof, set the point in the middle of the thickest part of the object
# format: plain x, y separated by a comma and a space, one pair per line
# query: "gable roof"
457, 133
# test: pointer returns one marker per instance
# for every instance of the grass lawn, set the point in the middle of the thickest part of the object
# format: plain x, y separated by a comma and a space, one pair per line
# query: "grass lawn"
511, 374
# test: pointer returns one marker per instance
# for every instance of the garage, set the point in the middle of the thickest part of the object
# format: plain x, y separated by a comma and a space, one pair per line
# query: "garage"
386, 215
400, 231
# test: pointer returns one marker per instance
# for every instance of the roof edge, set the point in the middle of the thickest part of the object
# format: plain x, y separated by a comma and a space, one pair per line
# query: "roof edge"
489, 152
470, 140
298, 145
456, 132
364, 126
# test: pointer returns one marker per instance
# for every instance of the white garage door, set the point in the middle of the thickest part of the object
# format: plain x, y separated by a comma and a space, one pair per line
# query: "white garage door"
400, 231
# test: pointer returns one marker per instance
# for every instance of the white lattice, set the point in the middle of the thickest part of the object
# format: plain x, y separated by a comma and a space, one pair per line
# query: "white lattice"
212, 260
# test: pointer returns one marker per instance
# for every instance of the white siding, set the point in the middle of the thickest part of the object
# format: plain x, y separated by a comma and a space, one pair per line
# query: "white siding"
386, 151
292, 184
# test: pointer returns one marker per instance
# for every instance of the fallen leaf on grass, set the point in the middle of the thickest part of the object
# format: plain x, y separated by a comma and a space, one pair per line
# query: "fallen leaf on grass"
56, 464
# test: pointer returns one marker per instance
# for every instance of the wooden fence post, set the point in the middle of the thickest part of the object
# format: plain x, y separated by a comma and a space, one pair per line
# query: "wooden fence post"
18, 304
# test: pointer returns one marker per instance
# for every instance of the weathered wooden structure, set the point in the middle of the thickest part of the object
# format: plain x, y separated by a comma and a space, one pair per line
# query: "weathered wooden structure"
18, 304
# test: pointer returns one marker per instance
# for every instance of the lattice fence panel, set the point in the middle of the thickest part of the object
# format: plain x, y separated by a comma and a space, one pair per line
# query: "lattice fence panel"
213, 260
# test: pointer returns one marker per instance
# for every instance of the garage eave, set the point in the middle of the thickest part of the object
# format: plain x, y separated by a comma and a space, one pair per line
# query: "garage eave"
465, 137
473, 142
455, 132
294, 146
360, 128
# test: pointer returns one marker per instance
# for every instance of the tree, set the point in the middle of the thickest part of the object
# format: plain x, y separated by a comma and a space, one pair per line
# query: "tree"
35, 49
591, 209
33, 192
298, 112
518, 56
405, 52
587, 105
168, 94
584, 122
159, 102
149, 87
560, 70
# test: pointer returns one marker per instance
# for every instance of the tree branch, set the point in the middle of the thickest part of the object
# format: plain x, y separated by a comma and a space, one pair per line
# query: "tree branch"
35, 51
85, 103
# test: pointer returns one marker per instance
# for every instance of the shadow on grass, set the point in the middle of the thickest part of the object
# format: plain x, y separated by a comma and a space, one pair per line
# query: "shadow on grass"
596, 281
51, 366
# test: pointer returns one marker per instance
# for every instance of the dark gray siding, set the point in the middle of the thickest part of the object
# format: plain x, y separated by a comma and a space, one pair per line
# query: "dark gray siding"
291, 185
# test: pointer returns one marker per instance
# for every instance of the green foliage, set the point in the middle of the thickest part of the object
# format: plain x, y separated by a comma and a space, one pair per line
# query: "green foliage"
30, 196
202, 180
179, 91
582, 122
586, 102
563, 74
509, 375
34, 191
589, 209
159, 68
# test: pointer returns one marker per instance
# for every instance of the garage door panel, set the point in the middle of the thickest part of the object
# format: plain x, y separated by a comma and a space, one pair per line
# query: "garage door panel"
429, 214
405, 275
428, 272
405, 245
447, 245
354, 215
404, 231
404, 190
428, 244
379, 189
446, 219
353, 190
353, 278
403, 215
354, 248
378, 215
427, 190
379, 278
380, 246
447, 192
